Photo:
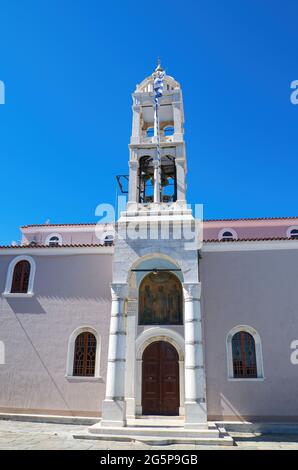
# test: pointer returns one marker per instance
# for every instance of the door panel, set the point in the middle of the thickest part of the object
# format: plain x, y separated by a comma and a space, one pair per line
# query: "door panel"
160, 379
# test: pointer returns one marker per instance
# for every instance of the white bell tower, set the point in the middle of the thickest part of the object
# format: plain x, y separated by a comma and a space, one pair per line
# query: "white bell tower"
157, 177
156, 233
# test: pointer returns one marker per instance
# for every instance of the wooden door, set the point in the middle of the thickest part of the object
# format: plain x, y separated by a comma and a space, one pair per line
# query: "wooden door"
160, 380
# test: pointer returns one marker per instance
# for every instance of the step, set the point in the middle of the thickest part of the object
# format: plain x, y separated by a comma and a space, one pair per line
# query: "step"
162, 440
52, 419
155, 431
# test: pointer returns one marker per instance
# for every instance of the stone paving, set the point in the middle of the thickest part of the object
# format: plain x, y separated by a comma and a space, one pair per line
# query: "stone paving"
16, 435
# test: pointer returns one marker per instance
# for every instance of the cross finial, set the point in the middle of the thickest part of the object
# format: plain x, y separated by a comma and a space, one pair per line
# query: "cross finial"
159, 67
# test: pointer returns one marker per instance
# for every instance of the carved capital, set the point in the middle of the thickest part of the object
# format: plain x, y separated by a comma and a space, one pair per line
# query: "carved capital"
192, 291
119, 291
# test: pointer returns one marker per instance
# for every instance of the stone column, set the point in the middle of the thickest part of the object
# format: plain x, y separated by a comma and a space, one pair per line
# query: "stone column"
130, 374
136, 121
156, 164
195, 382
180, 175
178, 135
114, 409
133, 181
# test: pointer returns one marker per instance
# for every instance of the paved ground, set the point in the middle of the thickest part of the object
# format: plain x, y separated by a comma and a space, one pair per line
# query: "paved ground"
15, 435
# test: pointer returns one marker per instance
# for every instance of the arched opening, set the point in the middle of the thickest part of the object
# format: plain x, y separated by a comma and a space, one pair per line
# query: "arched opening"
168, 130
54, 239
244, 355
160, 379
227, 234
21, 276
85, 355
168, 179
150, 132
146, 180
294, 233
160, 299
109, 240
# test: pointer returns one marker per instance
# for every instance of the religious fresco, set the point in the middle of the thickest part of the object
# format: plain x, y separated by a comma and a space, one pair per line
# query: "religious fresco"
160, 300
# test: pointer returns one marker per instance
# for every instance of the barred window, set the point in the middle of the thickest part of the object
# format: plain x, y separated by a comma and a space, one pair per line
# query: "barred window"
21, 276
84, 355
244, 355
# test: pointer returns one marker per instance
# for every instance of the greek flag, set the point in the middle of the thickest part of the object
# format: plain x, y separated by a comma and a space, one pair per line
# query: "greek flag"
158, 86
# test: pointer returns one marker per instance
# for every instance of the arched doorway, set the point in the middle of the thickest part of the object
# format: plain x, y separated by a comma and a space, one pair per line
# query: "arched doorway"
160, 379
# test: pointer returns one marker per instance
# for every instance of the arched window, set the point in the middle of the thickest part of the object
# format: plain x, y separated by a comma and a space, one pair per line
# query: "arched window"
109, 240
168, 130
84, 355
293, 233
150, 132
160, 300
227, 234
21, 276
244, 355
54, 239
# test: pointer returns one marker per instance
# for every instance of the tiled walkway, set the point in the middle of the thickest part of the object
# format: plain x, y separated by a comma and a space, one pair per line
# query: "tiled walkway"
24, 435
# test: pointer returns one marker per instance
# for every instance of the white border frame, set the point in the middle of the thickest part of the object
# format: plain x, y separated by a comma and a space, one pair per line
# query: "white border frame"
223, 230
70, 353
51, 235
7, 292
258, 349
147, 337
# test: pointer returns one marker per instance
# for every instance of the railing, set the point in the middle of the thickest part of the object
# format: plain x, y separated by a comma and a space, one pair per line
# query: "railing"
150, 140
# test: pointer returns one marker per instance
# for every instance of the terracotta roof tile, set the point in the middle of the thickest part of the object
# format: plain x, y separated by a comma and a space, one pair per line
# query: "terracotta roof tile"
205, 220
250, 218
248, 240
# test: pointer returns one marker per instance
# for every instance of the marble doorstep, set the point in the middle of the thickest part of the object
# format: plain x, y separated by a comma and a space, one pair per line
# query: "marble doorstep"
158, 432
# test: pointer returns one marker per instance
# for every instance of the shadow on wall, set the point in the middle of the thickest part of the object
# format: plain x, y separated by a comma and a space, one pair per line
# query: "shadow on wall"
228, 409
30, 305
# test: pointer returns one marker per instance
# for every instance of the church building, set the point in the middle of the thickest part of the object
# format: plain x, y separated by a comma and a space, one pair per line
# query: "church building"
159, 315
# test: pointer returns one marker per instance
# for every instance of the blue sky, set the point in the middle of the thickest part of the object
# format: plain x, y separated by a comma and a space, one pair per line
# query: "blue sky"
69, 67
